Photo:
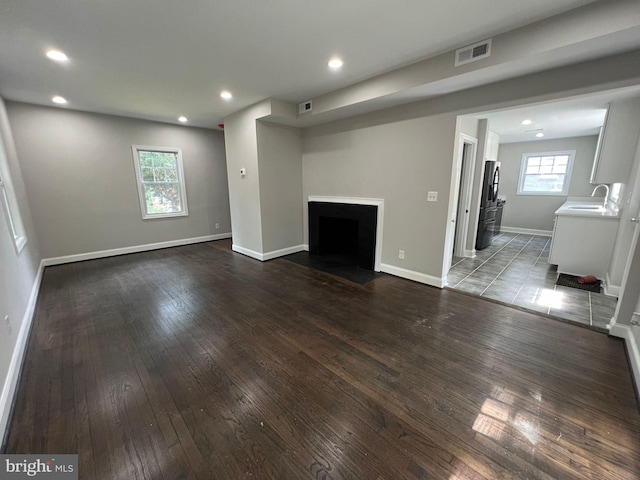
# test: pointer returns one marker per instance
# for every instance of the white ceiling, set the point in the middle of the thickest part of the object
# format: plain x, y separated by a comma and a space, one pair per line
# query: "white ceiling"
575, 117
159, 59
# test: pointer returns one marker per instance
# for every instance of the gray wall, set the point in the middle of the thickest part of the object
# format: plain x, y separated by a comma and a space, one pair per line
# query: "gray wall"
266, 204
279, 158
241, 144
399, 161
537, 211
18, 272
80, 179
402, 152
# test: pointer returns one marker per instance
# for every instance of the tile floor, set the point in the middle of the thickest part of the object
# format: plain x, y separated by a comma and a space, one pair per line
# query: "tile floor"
514, 270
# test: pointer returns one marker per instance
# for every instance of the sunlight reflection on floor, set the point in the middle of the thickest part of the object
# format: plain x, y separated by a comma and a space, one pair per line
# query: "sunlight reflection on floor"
548, 298
498, 413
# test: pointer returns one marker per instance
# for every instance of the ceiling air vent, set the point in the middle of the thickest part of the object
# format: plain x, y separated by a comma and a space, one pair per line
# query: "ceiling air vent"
304, 107
473, 52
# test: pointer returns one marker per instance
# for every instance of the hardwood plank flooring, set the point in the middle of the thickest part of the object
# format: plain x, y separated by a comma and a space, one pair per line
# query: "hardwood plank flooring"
199, 363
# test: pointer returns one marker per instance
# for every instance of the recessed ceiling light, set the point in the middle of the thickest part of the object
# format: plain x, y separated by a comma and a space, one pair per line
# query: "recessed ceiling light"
59, 100
527, 122
183, 119
539, 134
335, 63
57, 56
226, 95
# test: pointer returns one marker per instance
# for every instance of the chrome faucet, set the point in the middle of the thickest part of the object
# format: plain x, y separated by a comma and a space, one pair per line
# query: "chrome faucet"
606, 196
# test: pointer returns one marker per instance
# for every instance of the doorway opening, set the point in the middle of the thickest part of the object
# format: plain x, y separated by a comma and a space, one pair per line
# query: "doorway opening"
464, 182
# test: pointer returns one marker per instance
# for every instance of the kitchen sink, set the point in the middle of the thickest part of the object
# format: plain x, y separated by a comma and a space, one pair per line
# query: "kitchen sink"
594, 208
587, 209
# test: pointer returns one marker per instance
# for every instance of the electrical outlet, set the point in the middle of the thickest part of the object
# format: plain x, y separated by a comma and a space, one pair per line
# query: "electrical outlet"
8, 322
432, 196
217, 226
401, 254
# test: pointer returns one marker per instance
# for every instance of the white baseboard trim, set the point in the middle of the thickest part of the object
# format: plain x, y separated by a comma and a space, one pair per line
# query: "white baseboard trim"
305, 247
609, 289
626, 332
269, 255
412, 275
134, 249
470, 253
247, 252
526, 231
282, 252
8, 393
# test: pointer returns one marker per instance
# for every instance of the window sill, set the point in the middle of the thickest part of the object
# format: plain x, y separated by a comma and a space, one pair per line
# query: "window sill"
165, 215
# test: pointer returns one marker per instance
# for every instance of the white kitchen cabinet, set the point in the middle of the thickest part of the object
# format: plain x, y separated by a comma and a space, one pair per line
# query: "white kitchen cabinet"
493, 143
582, 244
617, 143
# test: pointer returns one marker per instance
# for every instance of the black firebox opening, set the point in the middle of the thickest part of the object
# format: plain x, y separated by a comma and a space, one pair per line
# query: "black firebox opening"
338, 236
345, 232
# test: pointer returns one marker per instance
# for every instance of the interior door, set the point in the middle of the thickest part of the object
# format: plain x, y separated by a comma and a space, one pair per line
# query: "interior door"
465, 185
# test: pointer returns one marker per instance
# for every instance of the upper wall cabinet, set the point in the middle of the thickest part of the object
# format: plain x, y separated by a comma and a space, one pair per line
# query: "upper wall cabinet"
493, 142
617, 143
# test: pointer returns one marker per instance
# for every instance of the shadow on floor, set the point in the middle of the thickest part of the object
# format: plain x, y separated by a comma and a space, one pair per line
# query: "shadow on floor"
339, 265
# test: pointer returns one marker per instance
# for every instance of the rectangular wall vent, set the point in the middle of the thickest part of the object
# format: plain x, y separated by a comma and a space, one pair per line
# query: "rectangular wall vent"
305, 107
473, 52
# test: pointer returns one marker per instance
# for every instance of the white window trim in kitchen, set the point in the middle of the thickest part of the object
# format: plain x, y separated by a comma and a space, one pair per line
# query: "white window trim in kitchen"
567, 175
10, 205
146, 215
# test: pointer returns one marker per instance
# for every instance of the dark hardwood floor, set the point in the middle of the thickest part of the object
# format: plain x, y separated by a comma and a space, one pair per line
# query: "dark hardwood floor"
196, 362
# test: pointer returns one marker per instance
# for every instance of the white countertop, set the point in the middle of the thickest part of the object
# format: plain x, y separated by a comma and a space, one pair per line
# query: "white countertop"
587, 209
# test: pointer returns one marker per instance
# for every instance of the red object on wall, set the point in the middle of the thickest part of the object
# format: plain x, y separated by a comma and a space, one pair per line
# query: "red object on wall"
221, 125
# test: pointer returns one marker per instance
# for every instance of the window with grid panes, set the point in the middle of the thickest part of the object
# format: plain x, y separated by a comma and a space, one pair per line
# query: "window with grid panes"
545, 173
161, 186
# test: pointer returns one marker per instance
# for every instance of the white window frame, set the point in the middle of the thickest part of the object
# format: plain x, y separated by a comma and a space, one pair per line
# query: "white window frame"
181, 184
10, 205
567, 180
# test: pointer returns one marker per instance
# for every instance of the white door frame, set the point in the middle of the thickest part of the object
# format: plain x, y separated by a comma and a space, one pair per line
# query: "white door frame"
628, 306
465, 168
624, 323
454, 191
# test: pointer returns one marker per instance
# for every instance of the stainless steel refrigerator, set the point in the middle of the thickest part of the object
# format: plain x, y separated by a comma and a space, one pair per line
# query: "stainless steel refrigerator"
488, 204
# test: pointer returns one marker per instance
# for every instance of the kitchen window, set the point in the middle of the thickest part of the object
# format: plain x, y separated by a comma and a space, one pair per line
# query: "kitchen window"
546, 173
160, 178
